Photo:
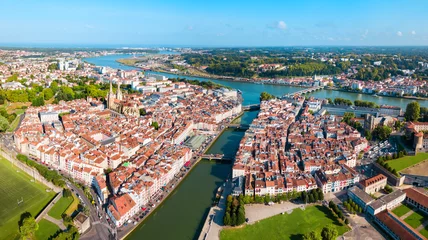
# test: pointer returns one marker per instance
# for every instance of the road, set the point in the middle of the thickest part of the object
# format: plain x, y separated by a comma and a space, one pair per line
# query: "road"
101, 231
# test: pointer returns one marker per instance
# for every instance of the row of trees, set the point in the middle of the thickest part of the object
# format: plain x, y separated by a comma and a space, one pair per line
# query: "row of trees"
312, 196
387, 167
49, 175
329, 232
342, 101
352, 207
362, 103
267, 198
235, 211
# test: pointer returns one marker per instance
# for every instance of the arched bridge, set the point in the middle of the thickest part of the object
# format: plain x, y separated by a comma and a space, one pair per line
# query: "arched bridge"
303, 91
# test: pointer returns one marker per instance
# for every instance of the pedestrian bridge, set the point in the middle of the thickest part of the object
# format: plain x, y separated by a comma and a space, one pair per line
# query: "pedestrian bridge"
217, 157
303, 91
251, 107
240, 126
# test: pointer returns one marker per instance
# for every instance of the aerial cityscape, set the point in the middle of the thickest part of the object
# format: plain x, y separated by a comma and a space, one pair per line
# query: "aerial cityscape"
213, 120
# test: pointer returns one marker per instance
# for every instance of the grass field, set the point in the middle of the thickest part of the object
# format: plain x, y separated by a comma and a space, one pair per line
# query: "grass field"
60, 207
415, 220
14, 185
46, 230
286, 226
401, 210
73, 206
407, 161
424, 232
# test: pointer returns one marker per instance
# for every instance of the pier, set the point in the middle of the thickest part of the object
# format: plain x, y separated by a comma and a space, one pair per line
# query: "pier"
307, 90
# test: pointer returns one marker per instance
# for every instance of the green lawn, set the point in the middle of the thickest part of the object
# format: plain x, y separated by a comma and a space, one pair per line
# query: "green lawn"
14, 185
401, 210
286, 226
60, 207
73, 206
415, 220
407, 161
46, 230
14, 124
424, 232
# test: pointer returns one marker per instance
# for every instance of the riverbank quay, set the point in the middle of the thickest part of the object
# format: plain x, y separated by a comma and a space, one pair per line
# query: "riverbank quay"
375, 95
214, 221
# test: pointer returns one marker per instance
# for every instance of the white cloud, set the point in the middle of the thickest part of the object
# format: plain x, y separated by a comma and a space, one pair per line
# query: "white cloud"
89, 26
364, 35
281, 25
413, 32
400, 34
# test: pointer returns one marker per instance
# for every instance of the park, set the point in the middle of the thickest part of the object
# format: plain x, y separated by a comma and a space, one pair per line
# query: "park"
287, 226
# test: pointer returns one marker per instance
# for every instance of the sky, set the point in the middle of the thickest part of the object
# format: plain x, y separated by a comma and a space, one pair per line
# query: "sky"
214, 23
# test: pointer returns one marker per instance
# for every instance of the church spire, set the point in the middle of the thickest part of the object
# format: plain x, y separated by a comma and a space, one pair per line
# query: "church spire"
111, 86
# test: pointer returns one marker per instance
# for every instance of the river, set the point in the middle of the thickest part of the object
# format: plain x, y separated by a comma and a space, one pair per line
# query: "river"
181, 215
251, 92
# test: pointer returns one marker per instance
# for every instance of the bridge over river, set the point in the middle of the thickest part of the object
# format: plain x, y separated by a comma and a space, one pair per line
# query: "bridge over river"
303, 91
221, 157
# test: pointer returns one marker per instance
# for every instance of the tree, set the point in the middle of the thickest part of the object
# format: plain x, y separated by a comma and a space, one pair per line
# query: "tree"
413, 111
143, 112
265, 96
4, 124
312, 236
48, 93
329, 233
346, 221
227, 220
233, 220
382, 132
37, 102
28, 226
66, 192
240, 219
155, 125
347, 117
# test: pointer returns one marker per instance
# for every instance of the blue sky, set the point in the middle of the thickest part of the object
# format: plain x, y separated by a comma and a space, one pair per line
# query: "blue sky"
214, 23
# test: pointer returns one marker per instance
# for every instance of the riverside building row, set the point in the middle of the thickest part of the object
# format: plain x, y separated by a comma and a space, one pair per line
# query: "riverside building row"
288, 149
82, 139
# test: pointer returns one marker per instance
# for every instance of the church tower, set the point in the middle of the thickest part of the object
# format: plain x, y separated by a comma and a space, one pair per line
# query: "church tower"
110, 97
119, 92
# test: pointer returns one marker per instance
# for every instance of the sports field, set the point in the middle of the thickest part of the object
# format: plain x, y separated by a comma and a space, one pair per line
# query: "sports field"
407, 161
16, 185
287, 226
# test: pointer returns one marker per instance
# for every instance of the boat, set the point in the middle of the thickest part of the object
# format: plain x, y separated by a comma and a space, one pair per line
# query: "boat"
239, 91
375, 95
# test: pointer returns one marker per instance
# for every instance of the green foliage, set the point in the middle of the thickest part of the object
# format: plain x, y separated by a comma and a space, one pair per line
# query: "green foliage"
48, 93
342, 101
66, 192
155, 125
37, 102
235, 211
347, 117
313, 235
53, 67
49, 175
265, 96
143, 112
4, 124
362, 103
329, 233
206, 85
382, 132
413, 111
27, 226
72, 233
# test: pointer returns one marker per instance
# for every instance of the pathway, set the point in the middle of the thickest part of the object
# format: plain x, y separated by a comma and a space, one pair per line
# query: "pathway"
407, 214
422, 226
257, 212
59, 223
